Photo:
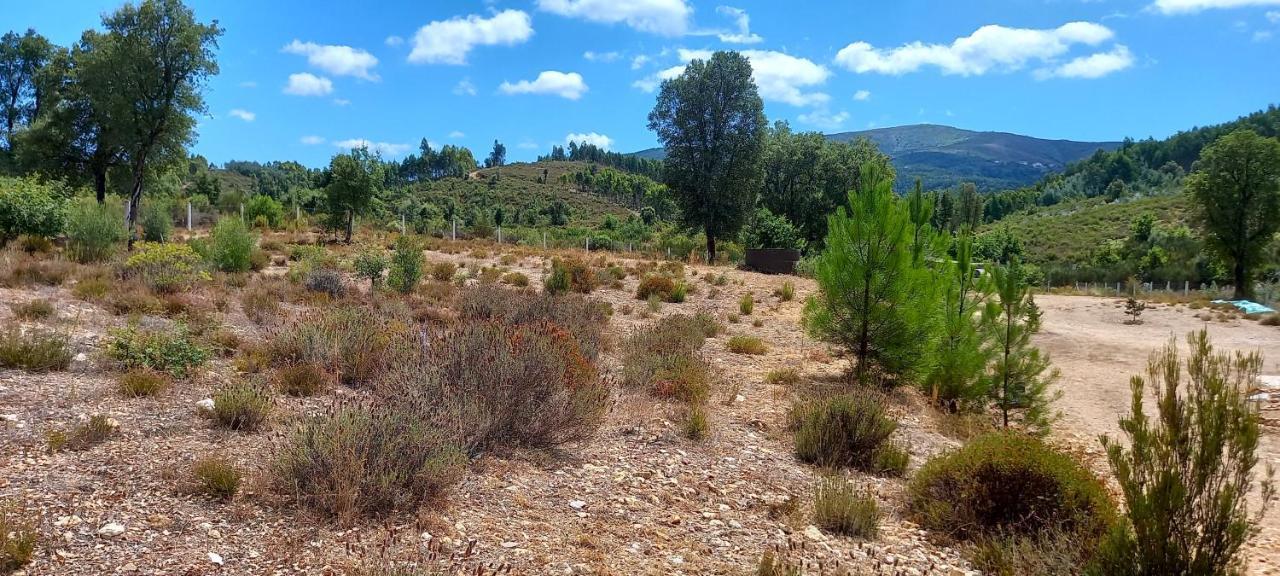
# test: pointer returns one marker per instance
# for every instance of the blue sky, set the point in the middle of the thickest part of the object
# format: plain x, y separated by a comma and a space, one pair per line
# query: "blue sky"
301, 79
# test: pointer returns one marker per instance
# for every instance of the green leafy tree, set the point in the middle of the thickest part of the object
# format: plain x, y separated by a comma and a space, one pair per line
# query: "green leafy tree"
1187, 473
21, 95
1020, 374
160, 56
711, 122
874, 298
1236, 186
231, 245
369, 264
406, 265
498, 157
956, 379
769, 230
29, 207
352, 181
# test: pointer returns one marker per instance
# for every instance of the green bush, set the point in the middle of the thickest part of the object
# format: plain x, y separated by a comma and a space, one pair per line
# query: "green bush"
216, 477
655, 285
140, 382
241, 406
169, 350
370, 264
747, 304
359, 460
1006, 483
94, 231
157, 222
165, 267
842, 430
29, 207
747, 345
515, 279
18, 537
406, 265
265, 209
841, 508
890, 460
696, 425
34, 350
571, 275
231, 245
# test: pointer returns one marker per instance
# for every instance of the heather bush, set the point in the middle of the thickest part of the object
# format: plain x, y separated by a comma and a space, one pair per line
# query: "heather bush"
571, 275
406, 265
584, 319
18, 537
165, 267
841, 508
443, 271
34, 350
216, 477
747, 345
325, 281
842, 430
140, 382
169, 350
355, 343
241, 406
655, 285
38, 309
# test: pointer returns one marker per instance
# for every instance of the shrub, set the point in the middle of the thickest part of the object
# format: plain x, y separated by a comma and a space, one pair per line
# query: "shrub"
169, 350
231, 245
406, 265
241, 406
841, 508
132, 298
1186, 475
31, 271
90, 289
515, 279
325, 281
696, 426
661, 358
841, 430
301, 379
259, 260
18, 537
266, 209
1053, 554
34, 350
747, 345
570, 275
216, 477
890, 460
783, 377
1007, 483
157, 224
370, 264
584, 319
357, 460
29, 207
787, 292
655, 285
746, 304
165, 267
38, 309
93, 431
772, 564
261, 303
503, 386
352, 342
140, 382
443, 271
94, 230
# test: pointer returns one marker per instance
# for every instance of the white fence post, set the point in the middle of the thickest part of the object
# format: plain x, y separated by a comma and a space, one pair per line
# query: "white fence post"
188, 216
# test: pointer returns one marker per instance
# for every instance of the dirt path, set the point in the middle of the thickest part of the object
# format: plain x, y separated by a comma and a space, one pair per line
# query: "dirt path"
1097, 353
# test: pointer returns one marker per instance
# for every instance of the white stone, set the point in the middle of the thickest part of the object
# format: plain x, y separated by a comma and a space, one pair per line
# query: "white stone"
111, 530
577, 504
215, 558
205, 405
813, 533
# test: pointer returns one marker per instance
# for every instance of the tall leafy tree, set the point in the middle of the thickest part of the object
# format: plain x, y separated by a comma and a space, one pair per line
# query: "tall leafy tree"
875, 298
1236, 186
21, 97
1020, 373
497, 157
161, 57
956, 378
351, 182
711, 121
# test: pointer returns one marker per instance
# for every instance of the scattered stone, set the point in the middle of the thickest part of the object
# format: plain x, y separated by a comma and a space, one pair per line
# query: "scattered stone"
215, 558
111, 530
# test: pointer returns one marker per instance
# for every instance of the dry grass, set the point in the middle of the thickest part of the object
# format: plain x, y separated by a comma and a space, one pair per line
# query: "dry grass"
747, 345
142, 382
216, 477
32, 310
841, 508
34, 350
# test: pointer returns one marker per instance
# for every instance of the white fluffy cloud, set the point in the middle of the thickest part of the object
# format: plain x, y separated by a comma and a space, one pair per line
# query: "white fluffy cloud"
565, 85
1193, 6
1091, 66
824, 119
464, 87
664, 17
383, 148
862, 95
742, 22
593, 56
780, 77
242, 114
990, 48
598, 140
449, 41
336, 60
305, 84
639, 61
311, 140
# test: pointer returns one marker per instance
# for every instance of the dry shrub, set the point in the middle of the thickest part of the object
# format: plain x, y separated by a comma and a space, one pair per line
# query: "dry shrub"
584, 319
26, 271
31, 310
301, 379
18, 537
132, 298
783, 377
841, 430
438, 292
353, 342
660, 357
747, 345
141, 382
261, 302
364, 459
34, 350
443, 271
841, 508
515, 279
216, 477
91, 288
93, 431
658, 285
241, 406
570, 275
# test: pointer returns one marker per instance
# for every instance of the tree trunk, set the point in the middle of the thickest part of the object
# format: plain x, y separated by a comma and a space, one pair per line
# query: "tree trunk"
100, 184
135, 198
1243, 290
351, 217
711, 249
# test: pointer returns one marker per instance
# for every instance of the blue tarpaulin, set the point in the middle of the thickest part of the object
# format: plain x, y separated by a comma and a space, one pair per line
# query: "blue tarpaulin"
1246, 306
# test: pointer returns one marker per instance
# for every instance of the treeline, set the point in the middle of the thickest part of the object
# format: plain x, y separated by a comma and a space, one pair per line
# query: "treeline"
587, 152
651, 199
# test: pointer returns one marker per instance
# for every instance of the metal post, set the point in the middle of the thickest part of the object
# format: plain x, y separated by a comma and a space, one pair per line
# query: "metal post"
402, 223
499, 234
588, 243
242, 211
188, 216
454, 236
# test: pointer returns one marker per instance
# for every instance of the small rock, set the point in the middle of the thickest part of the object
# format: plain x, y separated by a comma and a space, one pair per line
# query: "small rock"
577, 504
111, 530
215, 558
813, 533
205, 405
509, 544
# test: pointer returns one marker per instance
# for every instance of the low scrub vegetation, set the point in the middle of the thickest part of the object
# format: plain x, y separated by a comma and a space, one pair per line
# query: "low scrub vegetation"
241, 406
142, 382
841, 508
661, 287
165, 267
18, 537
34, 350
351, 341
747, 345
845, 430
171, 350
32, 310
570, 275
216, 477
93, 431
300, 379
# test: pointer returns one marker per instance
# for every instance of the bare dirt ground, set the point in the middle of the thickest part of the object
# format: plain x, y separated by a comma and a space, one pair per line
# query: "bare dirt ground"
1097, 353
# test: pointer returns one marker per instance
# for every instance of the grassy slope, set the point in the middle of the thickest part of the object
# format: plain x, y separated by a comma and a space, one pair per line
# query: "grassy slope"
518, 187
1067, 232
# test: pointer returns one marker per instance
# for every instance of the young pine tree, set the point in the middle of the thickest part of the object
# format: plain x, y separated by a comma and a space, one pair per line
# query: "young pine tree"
1187, 474
875, 299
1020, 375
956, 377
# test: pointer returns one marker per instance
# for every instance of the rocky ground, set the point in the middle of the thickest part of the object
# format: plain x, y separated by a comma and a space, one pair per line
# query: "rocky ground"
637, 498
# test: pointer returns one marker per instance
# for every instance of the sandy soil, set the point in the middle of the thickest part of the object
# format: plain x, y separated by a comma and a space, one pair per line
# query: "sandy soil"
1097, 353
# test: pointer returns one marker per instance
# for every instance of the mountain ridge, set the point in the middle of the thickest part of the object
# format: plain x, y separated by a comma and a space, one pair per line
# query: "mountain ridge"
945, 156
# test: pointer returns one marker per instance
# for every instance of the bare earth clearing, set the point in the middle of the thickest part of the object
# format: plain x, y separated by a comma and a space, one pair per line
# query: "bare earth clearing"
637, 498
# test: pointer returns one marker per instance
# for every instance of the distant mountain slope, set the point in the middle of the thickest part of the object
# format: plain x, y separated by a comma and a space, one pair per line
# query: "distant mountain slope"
943, 156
